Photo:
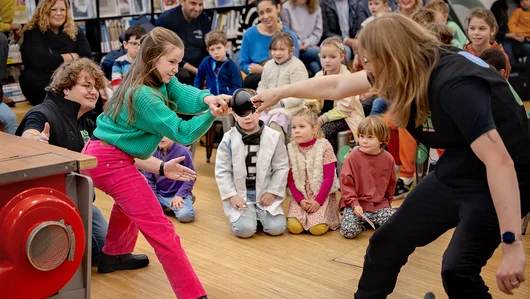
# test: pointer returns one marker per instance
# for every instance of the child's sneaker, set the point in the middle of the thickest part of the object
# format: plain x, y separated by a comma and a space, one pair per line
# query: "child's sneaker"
429, 295
401, 189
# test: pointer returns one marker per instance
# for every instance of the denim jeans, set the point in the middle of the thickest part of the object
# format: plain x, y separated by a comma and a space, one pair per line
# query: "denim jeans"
8, 118
99, 233
378, 107
246, 225
311, 59
186, 213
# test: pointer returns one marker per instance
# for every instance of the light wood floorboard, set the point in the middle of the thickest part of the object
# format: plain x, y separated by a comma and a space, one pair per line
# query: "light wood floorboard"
287, 266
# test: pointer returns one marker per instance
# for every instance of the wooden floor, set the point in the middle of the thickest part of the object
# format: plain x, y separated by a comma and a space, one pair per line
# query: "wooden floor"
287, 266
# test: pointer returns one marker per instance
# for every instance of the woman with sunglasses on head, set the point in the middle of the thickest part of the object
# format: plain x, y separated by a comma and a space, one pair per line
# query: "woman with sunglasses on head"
451, 100
49, 39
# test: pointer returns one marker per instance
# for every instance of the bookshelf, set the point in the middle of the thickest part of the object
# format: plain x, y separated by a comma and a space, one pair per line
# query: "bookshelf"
103, 21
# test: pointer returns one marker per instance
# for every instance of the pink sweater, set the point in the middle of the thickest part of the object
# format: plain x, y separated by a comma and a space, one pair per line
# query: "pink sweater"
367, 180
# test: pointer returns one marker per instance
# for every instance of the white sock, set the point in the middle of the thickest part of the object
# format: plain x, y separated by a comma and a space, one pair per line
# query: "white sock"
407, 181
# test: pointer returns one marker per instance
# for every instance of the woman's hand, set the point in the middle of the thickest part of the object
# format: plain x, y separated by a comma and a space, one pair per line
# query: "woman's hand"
510, 273
218, 104
303, 46
174, 171
255, 68
266, 98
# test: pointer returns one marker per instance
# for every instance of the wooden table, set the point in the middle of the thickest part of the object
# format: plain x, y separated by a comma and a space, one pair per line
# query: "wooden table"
24, 159
27, 164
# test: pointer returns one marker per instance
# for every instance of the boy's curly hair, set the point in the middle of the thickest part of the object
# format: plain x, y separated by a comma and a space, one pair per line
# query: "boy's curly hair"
67, 75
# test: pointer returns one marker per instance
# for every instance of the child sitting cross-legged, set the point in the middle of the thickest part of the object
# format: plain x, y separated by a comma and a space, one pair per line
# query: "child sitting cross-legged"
251, 170
367, 179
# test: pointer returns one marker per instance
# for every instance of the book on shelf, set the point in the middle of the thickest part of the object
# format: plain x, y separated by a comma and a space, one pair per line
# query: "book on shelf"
31, 5
209, 4
81, 25
157, 5
108, 8
14, 92
224, 3
124, 7
13, 54
169, 4
226, 21
111, 32
83, 9
21, 16
140, 6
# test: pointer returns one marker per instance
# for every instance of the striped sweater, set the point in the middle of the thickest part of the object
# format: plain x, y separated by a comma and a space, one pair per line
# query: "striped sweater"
119, 68
154, 119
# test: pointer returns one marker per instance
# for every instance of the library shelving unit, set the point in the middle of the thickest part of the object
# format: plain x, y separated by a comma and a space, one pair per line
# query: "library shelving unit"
103, 21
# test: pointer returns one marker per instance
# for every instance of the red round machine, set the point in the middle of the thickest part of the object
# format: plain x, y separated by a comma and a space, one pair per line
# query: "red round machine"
43, 242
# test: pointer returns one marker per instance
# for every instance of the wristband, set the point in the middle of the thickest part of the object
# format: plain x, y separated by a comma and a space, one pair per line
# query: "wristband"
161, 170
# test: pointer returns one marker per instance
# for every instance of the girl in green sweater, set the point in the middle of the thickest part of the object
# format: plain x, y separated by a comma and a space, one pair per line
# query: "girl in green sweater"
135, 119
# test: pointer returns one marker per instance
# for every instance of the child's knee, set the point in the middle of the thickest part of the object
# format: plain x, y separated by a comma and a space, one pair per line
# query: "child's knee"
294, 226
350, 232
319, 229
185, 215
275, 226
243, 229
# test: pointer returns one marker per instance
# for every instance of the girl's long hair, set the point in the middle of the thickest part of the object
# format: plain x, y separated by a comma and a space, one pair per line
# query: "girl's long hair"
143, 72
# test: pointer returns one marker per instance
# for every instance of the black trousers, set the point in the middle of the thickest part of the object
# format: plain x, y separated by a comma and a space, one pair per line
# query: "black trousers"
430, 210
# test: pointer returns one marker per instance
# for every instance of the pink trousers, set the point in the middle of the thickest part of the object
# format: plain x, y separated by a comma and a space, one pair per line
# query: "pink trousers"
136, 208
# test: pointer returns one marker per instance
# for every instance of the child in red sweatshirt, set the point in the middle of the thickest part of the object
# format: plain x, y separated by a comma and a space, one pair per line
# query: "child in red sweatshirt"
367, 179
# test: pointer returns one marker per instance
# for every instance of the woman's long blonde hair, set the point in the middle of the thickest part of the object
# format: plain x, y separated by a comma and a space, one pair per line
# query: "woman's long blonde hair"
154, 45
408, 54
41, 19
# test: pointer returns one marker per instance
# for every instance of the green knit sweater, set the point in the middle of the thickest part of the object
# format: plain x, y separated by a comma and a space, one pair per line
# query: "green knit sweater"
153, 119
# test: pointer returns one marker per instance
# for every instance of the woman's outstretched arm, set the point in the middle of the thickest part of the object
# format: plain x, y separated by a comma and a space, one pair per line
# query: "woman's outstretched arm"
333, 87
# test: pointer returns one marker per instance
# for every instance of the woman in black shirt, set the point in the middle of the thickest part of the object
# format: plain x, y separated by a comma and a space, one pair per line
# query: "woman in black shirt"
49, 39
450, 100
